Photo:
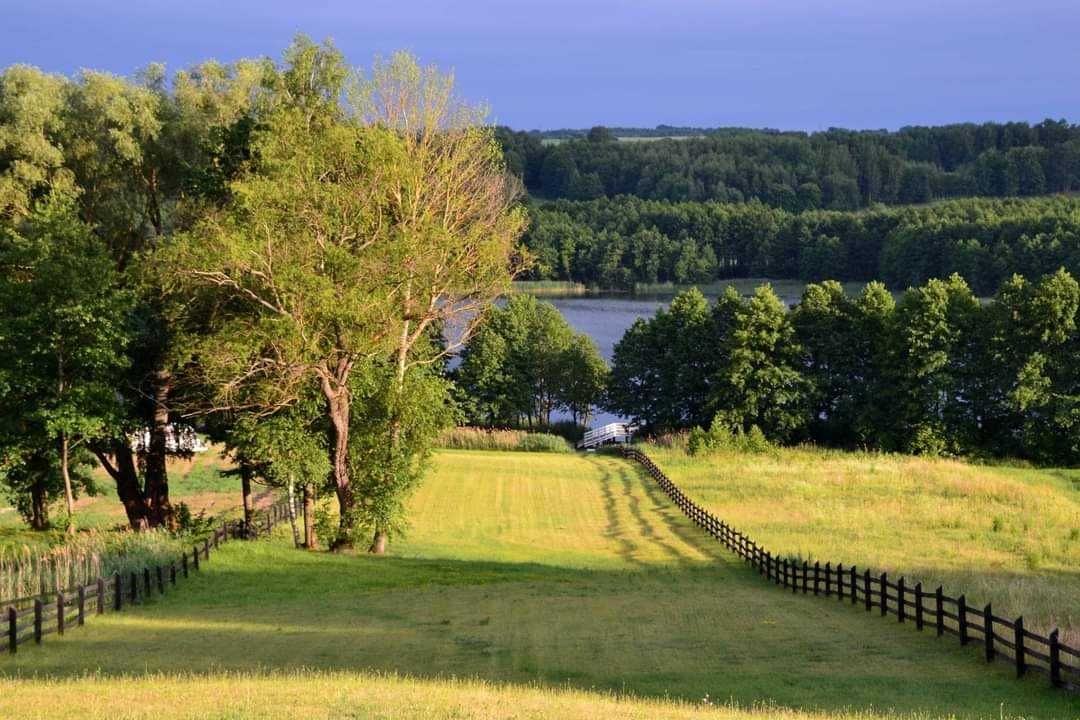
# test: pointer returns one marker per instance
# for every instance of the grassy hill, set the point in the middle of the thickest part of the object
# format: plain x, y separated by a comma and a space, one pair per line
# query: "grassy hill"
1007, 535
547, 585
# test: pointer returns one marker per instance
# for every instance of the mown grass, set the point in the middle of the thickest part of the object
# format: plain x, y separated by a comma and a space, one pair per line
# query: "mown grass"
548, 585
1006, 535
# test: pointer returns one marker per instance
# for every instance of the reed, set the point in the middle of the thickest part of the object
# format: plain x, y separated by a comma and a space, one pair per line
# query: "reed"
473, 438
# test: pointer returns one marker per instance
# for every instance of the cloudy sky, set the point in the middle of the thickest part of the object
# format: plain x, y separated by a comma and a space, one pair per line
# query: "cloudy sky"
760, 63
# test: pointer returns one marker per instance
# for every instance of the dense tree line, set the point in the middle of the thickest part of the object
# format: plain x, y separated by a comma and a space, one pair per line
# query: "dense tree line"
238, 247
934, 372
525, 362
835, 169
617, 242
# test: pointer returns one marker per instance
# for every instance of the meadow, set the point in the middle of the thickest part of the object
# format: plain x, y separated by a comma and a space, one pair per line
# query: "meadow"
1004, 534
528, 585
198, 481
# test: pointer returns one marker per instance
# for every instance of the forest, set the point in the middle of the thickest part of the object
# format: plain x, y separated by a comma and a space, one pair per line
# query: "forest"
836, 169
616, 242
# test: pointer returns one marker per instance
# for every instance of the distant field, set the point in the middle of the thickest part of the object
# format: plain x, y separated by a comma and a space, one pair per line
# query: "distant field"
1006, 535
199, 482
548, 585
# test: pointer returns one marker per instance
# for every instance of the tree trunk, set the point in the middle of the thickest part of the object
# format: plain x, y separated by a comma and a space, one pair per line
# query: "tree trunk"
157, 476
292, 514
337, 408
65, 472
378, 543
126, 476
246, 472
39, 506
310, 541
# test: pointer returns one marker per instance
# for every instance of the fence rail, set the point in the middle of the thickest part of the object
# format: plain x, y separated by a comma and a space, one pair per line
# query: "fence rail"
57, 612
1002, 639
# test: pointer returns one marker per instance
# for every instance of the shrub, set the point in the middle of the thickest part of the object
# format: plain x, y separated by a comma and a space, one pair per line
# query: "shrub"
721, 437
541, 442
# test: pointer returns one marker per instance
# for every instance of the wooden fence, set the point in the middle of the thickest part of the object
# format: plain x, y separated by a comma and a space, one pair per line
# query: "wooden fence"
1001, 638
32, 618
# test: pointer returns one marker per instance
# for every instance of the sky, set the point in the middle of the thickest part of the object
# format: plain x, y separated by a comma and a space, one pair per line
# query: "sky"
560, 63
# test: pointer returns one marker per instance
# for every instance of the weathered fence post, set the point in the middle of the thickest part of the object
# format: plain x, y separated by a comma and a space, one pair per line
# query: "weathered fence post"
1021, 660
918, 606
133, 597
961, 614
828, 579
183, 559
206, 548
13, 629
160, 580
195, 557
900, 609
148, 590
840, 582
866, 590
939, 612
37, 620
854, 586
82, 605
1055, 656
805, 576
988, 632
884, 594
59, 613
118, 588
817, 575
101, 596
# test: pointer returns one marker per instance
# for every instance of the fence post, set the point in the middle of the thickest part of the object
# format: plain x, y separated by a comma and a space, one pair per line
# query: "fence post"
828, 579
840, 582
817, 575
37, 620
134, 596
101, 596
785, 567
183, 557
900, 609
1055, 653
206, 548
82, 605
939, 613
866, 590
13, 630
172, 573
805, 576
160, 580
118, 589
988, 632
854, 586
918, 606
195, 557
149, 590
884, 594
1021, 662
59, 613
961, 614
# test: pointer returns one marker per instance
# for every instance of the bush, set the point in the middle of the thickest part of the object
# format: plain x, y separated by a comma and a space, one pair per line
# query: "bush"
541, 442
721, 437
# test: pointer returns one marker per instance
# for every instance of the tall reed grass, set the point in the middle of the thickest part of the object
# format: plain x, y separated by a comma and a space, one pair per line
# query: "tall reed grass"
82, 559
473, 438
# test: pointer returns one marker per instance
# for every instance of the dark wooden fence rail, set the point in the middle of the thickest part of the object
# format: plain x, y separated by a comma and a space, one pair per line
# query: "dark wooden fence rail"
69, 608
932, 609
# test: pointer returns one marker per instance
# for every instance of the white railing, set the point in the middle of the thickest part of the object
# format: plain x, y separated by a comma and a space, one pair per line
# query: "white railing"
610, 433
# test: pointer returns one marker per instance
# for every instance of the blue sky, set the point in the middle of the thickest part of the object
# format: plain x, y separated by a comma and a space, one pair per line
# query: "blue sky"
763, 63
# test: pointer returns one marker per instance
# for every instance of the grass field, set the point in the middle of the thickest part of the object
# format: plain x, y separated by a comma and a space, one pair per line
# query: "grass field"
1006, 535
530, 585
197, 481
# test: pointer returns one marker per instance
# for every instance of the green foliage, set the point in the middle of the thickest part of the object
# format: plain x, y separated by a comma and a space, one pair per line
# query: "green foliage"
937, 373
720, 437
624, 240
524, 362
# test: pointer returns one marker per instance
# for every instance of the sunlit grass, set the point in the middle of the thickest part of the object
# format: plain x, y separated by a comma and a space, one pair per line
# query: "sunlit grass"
1006, 535
555, 585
